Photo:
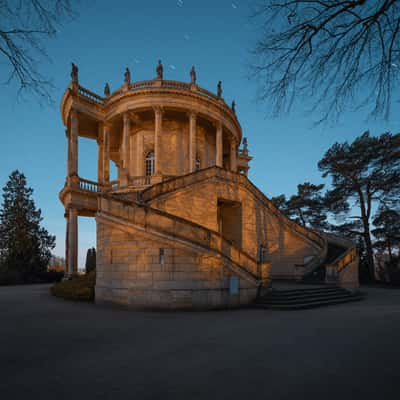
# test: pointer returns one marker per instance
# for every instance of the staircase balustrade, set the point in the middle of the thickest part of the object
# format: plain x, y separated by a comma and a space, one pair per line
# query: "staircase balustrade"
181, 229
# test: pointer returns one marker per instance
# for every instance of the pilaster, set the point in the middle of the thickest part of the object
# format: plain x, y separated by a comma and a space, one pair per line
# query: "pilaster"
233, 158
158, 112
192, 141
219, 145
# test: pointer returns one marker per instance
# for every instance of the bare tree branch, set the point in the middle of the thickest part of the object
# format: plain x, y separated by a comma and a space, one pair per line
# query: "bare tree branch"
24, 24
337, 54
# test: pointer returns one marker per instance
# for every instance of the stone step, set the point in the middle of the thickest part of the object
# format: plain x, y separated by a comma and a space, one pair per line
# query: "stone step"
293, 299
289, 296
303, 299
305, 305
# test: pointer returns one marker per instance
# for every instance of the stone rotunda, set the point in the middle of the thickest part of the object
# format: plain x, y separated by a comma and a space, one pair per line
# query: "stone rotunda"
182, 226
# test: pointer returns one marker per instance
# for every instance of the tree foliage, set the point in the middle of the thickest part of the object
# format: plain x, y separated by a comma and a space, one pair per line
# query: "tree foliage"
339, 53
387, 231
25, 246
24, 25
306, 207
366, 172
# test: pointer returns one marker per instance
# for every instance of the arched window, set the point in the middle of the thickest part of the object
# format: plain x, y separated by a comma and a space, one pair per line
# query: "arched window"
198, 164
149, 163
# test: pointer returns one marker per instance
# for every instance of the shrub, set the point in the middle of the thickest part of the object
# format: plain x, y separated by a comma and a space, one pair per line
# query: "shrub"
80, 287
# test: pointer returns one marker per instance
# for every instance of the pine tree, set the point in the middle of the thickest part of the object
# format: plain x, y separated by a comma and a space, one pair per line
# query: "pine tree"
365, 172
25, 246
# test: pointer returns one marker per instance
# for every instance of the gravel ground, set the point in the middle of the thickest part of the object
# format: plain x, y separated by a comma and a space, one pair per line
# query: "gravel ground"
56, 349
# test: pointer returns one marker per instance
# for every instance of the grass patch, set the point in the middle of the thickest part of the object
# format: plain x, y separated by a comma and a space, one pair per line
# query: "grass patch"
80, 287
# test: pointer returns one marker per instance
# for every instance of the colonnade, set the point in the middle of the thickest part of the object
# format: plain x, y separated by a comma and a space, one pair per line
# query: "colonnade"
103, 141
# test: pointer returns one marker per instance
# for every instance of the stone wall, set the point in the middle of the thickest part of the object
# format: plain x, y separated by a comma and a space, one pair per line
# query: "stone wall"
199, 203
131, 272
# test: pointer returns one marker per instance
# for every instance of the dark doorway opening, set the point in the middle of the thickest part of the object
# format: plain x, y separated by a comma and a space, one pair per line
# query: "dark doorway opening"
230, 221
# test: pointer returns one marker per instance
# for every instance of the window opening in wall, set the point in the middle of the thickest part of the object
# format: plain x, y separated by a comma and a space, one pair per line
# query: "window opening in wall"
149, 163
162, 257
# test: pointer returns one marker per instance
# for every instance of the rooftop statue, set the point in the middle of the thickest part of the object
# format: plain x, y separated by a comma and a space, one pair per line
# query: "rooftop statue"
160, 70
219, 89
127, 76
233, 106
106, 90
193, 75
74, 73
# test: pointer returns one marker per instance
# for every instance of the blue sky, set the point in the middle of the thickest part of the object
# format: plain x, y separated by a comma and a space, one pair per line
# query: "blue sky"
215, 36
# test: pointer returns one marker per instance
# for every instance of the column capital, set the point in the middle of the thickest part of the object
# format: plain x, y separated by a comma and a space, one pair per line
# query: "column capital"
126, 117
73, 113
217, 123
191, 114
107, 125
158, 110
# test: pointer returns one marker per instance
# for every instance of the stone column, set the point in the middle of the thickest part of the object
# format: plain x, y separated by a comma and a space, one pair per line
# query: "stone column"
73, 144
106, 154
233, 156
125, 149
139, 154
192, 141
100, 154
219, 145
72, 251
157, 140
66, 216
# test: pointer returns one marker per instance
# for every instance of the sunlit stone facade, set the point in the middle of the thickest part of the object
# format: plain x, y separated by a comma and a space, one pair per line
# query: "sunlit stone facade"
182, 226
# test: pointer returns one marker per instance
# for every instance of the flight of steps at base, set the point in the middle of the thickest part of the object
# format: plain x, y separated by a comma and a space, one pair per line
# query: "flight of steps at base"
295, 299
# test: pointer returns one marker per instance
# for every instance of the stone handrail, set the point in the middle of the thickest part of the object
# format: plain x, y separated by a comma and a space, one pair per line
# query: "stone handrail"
155, 83
181, 229
342, 261
90, 186
140, 181
90, 95
208, 173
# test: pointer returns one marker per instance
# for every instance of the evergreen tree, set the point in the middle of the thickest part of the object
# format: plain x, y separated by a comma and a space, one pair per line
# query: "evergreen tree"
25, 246
90, 264
365, 172
306, 207
280, 202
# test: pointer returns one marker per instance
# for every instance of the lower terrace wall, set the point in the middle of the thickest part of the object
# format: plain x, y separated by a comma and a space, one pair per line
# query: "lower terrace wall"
129, 272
